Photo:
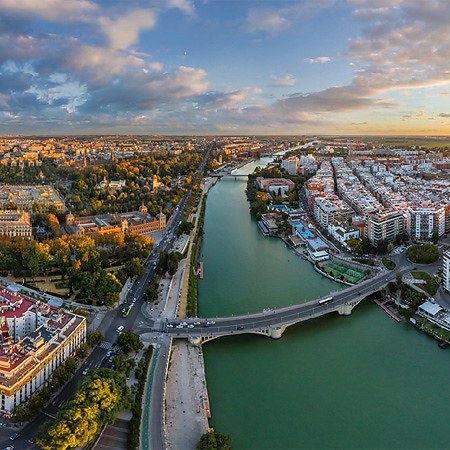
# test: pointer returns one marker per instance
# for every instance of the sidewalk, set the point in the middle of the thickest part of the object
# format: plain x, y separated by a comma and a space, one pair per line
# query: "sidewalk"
186, 397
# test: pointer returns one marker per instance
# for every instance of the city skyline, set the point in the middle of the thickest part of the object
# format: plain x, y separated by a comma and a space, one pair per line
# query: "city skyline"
205, 67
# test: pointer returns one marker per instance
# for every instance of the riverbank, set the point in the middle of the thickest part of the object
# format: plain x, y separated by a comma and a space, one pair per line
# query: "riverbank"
187, 408
304, 390
187, 403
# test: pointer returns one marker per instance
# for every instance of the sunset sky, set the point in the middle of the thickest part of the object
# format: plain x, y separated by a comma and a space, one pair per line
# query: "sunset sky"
225, 67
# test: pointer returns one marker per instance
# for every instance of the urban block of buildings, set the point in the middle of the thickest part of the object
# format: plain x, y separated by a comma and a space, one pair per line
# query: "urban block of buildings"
138, 222
393, 197
35, 339
31, 198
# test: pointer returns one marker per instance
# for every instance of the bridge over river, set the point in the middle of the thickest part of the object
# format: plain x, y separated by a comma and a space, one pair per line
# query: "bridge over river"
272, 322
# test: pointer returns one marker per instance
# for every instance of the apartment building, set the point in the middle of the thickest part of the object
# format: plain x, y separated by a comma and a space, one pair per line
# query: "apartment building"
383, 226
425, 222
446, 270
290, 165
35, 339
15, 224
329, 209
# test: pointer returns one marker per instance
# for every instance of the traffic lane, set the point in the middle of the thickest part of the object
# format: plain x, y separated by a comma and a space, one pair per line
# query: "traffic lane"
157, 397
305, 308
269, 318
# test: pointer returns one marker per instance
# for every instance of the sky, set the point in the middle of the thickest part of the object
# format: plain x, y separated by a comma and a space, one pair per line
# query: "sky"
225, 67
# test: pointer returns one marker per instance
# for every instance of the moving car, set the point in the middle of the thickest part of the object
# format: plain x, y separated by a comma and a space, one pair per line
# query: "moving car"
120, 329
14, 436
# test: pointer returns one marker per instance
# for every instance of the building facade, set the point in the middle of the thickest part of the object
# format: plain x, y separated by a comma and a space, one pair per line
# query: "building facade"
15, 224
446, 270
425, 223
275, 185
35, 339
290, 165
138, 222
383, 226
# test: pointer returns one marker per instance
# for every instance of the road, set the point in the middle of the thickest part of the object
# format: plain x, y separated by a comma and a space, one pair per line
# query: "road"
112, 320
273, 318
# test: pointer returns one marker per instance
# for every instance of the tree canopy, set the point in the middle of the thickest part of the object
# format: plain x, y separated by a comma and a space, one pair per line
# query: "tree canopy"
423, 253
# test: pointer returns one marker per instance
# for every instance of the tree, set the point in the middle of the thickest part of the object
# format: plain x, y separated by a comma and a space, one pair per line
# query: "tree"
213, 440
129, 342
94, 338
152, 289
134, 268
356, 245
185, 227
423, 253
96, 402
53, 225
124, 364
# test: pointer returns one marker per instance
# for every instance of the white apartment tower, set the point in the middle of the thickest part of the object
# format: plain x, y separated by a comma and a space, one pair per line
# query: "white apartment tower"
290, 165
424, 222
446, 270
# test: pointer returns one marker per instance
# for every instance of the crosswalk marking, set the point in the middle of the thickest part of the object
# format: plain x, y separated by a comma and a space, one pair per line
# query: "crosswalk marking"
106, 345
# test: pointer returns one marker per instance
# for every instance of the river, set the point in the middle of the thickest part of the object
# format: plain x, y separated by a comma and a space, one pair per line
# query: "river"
362, 381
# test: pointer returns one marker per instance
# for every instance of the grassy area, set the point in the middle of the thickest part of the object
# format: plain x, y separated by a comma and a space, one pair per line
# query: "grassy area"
388, 263
432, 284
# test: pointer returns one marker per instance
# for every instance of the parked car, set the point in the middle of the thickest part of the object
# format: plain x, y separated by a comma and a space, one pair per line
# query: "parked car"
14, 436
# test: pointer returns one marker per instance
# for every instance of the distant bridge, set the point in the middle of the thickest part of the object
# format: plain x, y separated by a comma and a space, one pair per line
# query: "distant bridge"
227, 174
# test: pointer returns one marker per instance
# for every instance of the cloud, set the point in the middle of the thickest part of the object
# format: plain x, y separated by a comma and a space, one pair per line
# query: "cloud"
66, 10
318, 60
273, 20
186, 6
285, 81
444, 115
123, 32
227, 101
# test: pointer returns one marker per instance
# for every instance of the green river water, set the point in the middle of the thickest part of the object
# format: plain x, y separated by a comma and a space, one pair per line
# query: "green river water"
356, 382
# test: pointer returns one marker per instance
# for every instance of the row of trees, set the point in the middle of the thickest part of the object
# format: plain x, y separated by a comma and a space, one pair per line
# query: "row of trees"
81, 259
100, 396
136, 408
168, 262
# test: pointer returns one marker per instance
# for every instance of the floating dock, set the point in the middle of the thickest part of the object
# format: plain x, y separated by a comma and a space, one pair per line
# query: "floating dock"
263, 228
387, 310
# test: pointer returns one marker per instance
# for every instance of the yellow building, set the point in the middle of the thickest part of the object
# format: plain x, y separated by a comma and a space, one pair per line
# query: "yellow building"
15, 224
138, 222
35, 339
